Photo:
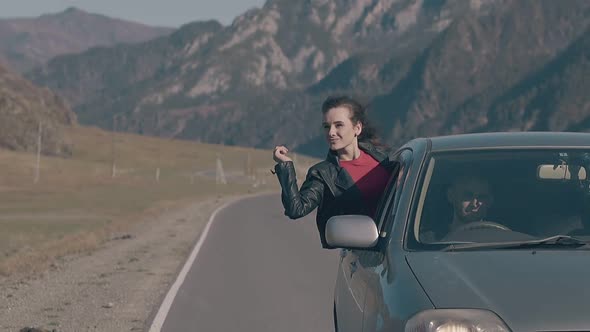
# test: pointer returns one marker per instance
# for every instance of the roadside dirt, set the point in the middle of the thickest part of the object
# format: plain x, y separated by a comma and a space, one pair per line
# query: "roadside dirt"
115, 288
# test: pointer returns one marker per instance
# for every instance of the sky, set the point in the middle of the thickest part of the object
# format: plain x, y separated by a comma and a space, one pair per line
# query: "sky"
169, 13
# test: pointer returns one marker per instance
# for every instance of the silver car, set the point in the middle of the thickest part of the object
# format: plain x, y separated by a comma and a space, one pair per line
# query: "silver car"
477, 232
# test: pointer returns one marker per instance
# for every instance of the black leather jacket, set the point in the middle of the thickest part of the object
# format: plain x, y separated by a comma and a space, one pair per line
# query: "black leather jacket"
327, 186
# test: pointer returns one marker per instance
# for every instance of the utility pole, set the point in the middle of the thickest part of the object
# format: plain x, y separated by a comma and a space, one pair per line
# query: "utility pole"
113, 163
38, 165
157, 127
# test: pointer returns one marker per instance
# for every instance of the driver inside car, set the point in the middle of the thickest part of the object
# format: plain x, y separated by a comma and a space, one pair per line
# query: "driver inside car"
471, 198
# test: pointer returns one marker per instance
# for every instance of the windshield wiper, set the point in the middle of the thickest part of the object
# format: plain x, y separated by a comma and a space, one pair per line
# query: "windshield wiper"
555, 240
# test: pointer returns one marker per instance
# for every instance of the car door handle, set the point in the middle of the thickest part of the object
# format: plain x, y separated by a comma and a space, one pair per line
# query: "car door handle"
343, 253
353, 268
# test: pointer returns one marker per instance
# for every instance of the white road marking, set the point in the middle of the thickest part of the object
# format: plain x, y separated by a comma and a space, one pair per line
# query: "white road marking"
160, 317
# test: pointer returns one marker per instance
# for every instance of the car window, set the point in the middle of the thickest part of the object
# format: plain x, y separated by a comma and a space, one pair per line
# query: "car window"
393, 193
386, 210
385, 200
386, 207
492, 196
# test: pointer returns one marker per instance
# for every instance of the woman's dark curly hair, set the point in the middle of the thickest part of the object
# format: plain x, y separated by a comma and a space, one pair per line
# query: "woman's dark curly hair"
358, 113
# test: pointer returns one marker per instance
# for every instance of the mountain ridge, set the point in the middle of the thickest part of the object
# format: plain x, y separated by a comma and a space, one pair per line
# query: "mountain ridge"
424, 67
26, 42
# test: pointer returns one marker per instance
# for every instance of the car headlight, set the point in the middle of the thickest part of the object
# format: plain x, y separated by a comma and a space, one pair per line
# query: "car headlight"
456, 320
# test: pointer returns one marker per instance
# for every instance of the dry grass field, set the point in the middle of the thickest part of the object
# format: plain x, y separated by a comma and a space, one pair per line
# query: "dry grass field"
77, 203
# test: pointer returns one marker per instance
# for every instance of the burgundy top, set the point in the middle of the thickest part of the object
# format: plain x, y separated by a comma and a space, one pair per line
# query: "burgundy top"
369, 177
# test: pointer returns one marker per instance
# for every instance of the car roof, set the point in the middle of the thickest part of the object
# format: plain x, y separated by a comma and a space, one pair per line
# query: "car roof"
510, 140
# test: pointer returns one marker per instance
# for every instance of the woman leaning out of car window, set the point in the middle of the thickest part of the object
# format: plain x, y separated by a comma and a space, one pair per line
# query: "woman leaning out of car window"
352, 177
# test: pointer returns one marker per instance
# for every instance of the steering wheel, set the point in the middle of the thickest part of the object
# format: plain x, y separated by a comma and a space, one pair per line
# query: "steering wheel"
480, 225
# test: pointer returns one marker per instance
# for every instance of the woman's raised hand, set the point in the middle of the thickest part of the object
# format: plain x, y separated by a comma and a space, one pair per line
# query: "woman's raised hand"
280, 154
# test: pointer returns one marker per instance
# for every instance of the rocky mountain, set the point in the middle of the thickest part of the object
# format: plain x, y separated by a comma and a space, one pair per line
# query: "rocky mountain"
23, 107
426, 67
554, 98
29, 42
112, 75
455, 85
210, 71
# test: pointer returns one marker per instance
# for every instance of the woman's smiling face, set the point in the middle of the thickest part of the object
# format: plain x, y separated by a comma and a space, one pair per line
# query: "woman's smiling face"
340, 132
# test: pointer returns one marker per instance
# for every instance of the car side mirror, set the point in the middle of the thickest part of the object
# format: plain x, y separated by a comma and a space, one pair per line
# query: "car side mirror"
351, 232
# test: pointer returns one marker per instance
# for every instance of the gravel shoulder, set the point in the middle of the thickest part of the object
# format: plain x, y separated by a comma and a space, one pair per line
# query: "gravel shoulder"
115, 288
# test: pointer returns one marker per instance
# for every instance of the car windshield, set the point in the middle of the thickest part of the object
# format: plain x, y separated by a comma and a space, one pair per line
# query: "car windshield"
499, 196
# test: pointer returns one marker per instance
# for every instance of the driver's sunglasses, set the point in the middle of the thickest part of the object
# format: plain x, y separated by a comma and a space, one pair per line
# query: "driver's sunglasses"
470, 196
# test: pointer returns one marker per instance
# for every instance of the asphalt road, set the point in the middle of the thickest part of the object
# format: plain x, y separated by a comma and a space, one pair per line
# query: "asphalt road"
258, 271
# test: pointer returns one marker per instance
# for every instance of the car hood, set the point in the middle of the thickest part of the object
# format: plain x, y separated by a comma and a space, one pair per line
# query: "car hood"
529, 290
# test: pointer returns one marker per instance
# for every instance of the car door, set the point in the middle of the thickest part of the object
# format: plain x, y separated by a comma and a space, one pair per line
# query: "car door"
349, 298
353, 280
